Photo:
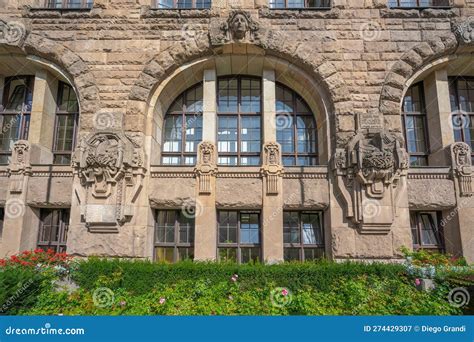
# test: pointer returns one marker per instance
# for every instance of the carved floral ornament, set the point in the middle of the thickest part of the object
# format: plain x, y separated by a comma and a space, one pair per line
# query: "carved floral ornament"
371, 174
12, 32
110, 168
464, 30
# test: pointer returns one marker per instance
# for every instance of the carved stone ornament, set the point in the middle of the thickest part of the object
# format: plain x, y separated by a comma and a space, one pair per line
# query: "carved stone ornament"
272, 167
12, 32
110, 168
206, 166
239, 27
462, 167
371, 174
464, 31
19, 168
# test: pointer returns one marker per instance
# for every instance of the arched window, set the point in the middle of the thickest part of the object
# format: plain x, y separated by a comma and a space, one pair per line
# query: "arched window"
183, 128
67, 115
239, 120
415, 126
295, 129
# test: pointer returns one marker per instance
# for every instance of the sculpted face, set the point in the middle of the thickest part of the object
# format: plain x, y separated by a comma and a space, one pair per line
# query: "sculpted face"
239, 26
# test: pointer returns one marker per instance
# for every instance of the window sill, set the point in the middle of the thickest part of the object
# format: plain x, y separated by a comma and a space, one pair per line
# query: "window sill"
429, 12
46, 12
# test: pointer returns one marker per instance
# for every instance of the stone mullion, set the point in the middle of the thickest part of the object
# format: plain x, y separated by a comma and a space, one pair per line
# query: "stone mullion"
272, 206
205, 242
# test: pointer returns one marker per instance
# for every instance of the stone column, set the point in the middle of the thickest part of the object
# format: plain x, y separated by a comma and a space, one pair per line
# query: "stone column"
43, 113
438, 112
205, 242
272, 210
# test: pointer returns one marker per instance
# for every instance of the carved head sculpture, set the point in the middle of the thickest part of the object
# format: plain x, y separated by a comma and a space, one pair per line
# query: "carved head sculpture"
239, 25
464, 30
21, 148
462, 154
272, 154
206, 151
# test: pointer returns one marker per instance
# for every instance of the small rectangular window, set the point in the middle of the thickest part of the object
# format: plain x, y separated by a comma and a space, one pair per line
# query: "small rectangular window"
426, 230
303, 236
419, 4
69, 4
300, 4
182, 4
174, 236
54, 226
239, 236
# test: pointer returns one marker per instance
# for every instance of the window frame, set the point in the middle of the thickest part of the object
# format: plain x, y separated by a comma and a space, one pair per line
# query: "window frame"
294, 115
301, 246
156, 5
182, 154
239, 114
66, 5
176, 244
418, 6
24, 113
75, 117
238, 245
62, 226
453, 82
415, 214
306, 7
425, 155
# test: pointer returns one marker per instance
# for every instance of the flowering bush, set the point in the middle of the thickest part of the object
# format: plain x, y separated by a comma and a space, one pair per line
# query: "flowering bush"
38, 258
424, 257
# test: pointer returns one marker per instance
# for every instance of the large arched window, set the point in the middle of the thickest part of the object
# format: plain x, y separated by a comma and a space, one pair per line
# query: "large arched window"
183, 128
415, 125
295, 129
239, 120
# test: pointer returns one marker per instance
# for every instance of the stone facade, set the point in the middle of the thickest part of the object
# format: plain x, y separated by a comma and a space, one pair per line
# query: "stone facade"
127, 62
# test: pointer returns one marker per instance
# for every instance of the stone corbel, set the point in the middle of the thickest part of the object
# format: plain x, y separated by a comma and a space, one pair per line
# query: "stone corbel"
19, 168
272, 168
110, 169
462, 167
371, 174
206, 166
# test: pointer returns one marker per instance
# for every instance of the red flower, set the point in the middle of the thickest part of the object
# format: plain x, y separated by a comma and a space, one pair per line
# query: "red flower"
38, 250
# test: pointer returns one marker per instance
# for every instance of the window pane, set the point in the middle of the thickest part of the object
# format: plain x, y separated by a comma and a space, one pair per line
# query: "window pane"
249, 228
165, 226
429, 232
291, 254
228, 254
227, 134
185, 254
291, 227
312, 230
249, 255
311, 254
228, 223
227, 96
163, 254
414, 228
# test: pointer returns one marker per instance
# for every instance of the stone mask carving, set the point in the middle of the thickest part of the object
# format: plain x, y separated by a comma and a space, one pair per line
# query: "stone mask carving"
239, 27
462, 167
464, 30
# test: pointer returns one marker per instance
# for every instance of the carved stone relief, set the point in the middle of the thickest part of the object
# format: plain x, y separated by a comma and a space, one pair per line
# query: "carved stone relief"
206, 166
110, 167
464, 30
371, 174
239, 27
20, 167
272, 167
462, 167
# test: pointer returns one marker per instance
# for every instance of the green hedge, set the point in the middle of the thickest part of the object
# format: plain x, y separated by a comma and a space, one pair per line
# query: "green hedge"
140, 277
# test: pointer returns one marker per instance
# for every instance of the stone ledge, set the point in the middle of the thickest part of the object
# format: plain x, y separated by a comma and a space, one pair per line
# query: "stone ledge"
73, 13
419, 13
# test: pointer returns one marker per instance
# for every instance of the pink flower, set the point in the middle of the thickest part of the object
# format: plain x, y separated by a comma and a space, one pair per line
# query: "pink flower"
284, 292
123, 303
162, 300
234, 278
417, 282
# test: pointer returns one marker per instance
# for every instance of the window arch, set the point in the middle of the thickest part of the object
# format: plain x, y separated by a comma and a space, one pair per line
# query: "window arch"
295, 128
415, 125
183, 128
239, 116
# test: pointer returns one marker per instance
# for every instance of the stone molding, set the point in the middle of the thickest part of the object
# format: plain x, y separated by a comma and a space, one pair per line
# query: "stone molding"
20, 168
110, 168
371, 174
462, 167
